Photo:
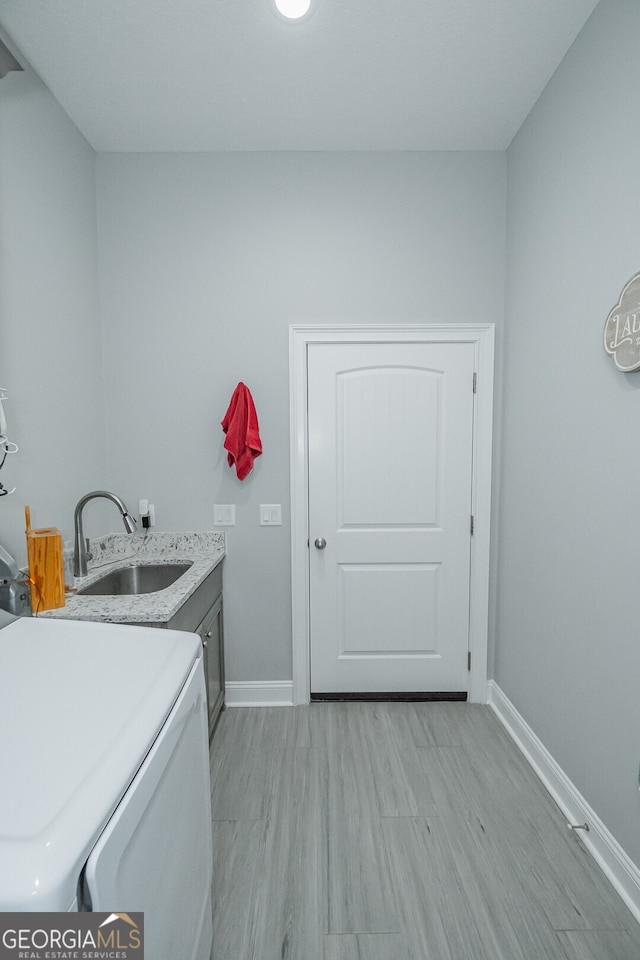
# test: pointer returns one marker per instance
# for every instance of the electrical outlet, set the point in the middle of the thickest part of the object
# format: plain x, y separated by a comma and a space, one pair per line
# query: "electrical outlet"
224, 514
147, 513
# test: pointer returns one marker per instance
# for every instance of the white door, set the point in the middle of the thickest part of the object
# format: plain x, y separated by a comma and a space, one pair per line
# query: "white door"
390, 428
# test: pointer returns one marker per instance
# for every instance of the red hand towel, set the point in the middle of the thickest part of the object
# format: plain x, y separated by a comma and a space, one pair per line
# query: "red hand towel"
240, 424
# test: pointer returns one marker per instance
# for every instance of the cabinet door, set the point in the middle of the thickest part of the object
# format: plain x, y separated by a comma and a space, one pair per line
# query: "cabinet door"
211, 633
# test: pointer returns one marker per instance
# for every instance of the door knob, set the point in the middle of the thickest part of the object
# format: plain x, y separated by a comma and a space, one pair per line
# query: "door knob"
320, 543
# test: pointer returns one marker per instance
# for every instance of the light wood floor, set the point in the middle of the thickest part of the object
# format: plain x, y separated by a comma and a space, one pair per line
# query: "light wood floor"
370, 831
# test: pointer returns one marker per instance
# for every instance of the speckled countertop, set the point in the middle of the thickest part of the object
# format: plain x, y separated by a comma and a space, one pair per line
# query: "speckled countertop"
204, 550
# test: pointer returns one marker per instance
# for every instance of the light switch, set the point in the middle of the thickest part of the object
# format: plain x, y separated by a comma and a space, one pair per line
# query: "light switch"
270, 515
224, 514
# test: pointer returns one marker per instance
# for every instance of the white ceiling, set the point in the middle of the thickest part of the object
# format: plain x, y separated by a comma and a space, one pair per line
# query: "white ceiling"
191, 75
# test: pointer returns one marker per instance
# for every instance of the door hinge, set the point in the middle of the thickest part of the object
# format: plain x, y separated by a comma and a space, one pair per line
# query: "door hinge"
469, 660
475, 383
473, 524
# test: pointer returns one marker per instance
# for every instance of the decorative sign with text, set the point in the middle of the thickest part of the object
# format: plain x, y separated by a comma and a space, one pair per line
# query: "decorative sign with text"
622, 329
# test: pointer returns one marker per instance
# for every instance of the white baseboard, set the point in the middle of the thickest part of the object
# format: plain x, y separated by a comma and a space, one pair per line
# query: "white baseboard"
258, 693
620, 870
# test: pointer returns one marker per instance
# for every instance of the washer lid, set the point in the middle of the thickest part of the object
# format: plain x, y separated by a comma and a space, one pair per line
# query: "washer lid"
80, 705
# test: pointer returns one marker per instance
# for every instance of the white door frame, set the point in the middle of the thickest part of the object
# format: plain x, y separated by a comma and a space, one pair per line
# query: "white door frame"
300, 337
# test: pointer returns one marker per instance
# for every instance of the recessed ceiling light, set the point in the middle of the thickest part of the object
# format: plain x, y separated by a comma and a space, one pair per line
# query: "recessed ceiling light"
293, 9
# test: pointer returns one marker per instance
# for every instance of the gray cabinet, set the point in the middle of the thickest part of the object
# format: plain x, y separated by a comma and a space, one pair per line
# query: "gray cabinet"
212, 635
202, 614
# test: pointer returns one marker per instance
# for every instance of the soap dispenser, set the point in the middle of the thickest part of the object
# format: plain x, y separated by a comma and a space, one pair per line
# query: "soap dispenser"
67, 562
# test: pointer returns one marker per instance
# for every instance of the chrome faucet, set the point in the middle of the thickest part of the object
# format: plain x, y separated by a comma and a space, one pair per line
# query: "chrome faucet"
80, 550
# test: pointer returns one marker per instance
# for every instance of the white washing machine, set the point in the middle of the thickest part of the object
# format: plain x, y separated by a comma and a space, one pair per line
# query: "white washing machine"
105, 803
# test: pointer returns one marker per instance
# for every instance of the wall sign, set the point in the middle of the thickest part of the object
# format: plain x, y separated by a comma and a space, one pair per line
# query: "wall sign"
622, 329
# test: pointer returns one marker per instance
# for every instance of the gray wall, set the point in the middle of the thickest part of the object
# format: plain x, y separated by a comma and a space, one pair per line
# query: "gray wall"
205, 260
567, 645
50, 358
